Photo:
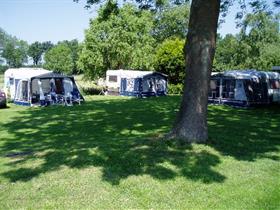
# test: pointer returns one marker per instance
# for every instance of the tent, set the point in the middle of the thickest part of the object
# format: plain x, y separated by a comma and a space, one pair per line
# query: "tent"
136, 83
244, 87
31, 87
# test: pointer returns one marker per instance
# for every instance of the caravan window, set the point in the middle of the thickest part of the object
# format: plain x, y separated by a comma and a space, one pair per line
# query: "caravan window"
22, 91
160, 84
214, 90
113, 78
45, 84
11, 80
213, 84
228, 88
130, 85
274, 84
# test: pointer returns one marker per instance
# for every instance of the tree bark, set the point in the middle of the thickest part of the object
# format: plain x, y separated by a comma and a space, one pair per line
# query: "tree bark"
191, 123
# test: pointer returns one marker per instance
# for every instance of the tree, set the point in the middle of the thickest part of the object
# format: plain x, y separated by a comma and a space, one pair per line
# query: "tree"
259, 30
122, 40
191, 122
171, 21
59, 59
169, 59
231, 53
74, 47
269, 56
47, 45
15, 54
12, 50
35, 51
250, 48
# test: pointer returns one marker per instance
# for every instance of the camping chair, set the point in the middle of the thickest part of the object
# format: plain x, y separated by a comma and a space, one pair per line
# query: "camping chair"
76, 97
68, 99
59, 99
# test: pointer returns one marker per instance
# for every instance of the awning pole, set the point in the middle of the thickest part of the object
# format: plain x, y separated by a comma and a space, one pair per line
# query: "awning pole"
221, 90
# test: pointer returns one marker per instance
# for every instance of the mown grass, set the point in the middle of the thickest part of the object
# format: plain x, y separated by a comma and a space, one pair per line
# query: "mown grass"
108, 154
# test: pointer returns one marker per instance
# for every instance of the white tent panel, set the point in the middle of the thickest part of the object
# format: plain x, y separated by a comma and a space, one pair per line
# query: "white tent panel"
68, 86
239, 93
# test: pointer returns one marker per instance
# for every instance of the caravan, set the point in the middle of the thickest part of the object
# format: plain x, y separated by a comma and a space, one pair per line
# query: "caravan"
29, 87
244, 88
14, 75
136, 83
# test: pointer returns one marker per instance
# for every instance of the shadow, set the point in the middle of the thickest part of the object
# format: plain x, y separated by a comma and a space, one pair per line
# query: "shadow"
245, 134
4, 107
116, 135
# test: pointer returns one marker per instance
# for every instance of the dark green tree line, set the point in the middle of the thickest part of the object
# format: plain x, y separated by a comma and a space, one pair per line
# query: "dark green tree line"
255, 47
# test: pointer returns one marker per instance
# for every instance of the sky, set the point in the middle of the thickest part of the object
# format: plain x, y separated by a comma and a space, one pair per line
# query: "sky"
57, 20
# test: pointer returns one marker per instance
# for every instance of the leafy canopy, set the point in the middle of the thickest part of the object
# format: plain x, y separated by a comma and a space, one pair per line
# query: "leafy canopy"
59, 59
122, 40
171, 21
12, 50
35, 51
256, 46
170, 60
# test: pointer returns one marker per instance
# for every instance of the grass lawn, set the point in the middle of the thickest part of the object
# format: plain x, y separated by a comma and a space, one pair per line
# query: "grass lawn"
107, 154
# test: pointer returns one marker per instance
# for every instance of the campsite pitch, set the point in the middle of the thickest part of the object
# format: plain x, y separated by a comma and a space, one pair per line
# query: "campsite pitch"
108, 154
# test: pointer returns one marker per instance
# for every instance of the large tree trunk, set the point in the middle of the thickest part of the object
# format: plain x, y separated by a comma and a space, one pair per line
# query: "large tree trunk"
191, 122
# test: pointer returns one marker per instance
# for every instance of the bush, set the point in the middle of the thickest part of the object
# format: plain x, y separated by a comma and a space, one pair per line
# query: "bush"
92, 90
175, 89
170, 60
88, 87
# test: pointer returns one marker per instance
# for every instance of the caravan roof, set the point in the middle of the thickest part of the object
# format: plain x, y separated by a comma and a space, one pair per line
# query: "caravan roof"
249, 74
127, 73
25, 73
51, 75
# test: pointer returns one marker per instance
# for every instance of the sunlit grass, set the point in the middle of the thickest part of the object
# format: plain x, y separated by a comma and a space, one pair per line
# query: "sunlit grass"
108, 153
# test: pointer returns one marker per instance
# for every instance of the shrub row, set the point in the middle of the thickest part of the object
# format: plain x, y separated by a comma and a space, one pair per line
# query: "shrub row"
175, 89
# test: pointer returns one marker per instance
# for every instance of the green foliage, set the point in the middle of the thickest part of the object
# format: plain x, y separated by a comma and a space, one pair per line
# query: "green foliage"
15, 53
269, 56
12, 50
5, 38
110, 7
88, 87
258, 31
231, 53
170, 60
152, 5
3, 68
256, 46
122, 41
75, 48
47, 45
177, 89
59, 59
35, 51
171, 21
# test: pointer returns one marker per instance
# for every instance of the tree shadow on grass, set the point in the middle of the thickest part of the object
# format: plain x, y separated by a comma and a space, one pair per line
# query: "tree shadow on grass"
119, 136
245, 134
116, 135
